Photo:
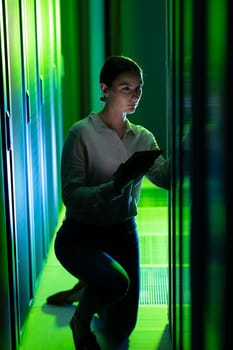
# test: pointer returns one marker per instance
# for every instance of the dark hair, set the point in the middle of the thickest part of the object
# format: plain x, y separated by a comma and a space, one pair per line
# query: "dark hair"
116, 65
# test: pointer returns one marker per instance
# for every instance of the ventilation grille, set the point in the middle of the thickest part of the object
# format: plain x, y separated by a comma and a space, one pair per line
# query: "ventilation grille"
154, 285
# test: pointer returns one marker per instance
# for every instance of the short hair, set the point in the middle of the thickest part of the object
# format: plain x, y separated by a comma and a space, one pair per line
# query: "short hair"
116, 65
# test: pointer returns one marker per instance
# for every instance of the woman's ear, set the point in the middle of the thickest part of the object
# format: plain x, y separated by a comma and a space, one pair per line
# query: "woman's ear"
104, 89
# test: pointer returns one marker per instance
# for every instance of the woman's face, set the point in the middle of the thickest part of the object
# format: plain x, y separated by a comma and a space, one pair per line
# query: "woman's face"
124, 93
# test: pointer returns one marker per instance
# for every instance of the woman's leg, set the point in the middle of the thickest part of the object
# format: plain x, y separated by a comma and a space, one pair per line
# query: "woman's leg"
76, 248
120, 318
67, 296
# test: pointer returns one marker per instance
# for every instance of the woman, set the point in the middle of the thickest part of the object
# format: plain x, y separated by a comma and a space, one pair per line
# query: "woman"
98, 240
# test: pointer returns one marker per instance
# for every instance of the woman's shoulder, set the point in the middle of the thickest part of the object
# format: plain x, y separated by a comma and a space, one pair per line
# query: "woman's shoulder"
139, 129
81, 126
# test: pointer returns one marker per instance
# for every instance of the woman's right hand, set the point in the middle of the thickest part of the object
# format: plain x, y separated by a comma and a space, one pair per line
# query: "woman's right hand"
125, 174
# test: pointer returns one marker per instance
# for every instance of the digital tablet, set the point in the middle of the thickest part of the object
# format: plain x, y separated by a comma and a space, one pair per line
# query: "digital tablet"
142, 159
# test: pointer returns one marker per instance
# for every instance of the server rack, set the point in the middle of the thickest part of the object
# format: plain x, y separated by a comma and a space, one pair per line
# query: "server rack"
31, 140
201, 197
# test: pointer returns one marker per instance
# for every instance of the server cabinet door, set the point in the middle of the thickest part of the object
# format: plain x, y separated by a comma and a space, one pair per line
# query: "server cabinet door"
44, 22
31, 97
57, 82
179, 57
5, 317
17, 165
8, 317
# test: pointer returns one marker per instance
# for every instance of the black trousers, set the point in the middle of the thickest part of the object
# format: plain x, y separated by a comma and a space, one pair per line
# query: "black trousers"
107, 259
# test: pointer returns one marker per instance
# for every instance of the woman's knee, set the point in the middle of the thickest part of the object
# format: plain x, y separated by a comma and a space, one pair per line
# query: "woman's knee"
115, 285
121, 284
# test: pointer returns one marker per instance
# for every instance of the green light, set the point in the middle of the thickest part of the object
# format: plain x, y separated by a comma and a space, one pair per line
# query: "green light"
216, 44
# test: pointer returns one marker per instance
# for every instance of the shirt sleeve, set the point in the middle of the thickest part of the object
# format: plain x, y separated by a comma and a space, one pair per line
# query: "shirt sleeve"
75, 190
160, 173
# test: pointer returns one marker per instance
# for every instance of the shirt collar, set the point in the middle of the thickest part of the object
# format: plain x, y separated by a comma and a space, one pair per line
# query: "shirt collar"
100, 125
129, 127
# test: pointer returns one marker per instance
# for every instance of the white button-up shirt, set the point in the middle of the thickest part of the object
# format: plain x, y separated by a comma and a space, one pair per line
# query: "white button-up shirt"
91, 154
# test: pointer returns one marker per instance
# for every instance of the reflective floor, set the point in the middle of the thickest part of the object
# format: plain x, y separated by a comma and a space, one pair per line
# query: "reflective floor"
47, 326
